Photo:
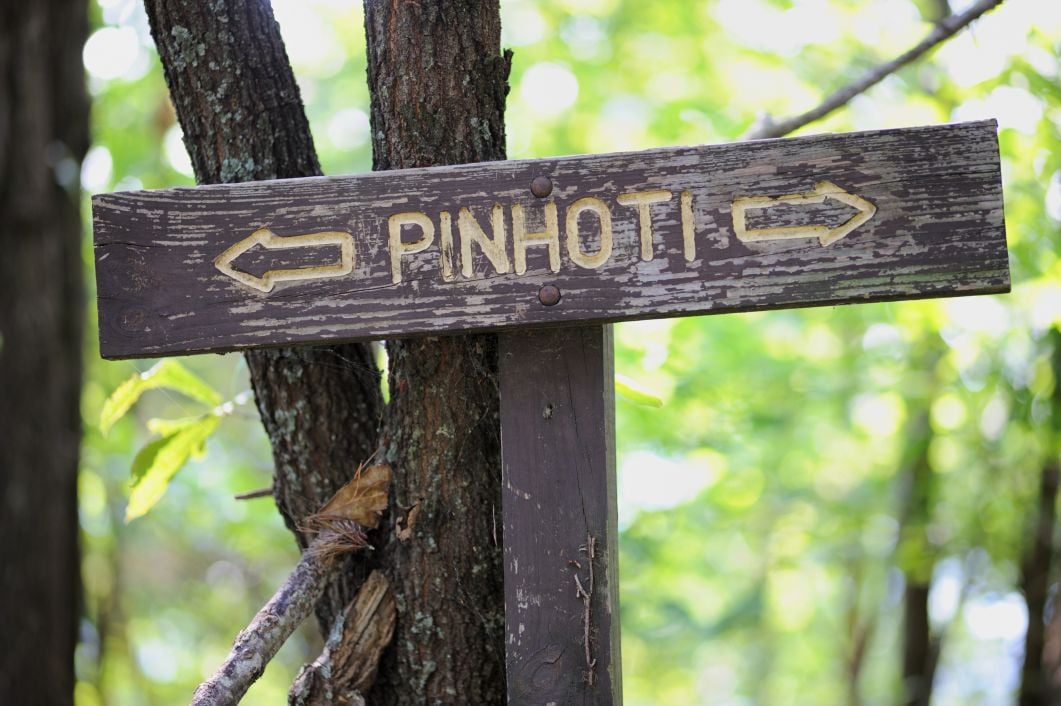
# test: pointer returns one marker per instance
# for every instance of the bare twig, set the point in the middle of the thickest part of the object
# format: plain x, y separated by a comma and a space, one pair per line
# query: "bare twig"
259, 642
944, 29
586, 594
251, 494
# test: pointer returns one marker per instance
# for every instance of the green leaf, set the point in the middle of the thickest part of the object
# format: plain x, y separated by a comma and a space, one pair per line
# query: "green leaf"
166, 427
120, 401
169, 374
632, 391
175, 376
157, 463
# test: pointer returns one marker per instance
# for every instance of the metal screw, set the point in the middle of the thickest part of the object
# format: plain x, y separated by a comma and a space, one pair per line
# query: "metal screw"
549, 295
541, 186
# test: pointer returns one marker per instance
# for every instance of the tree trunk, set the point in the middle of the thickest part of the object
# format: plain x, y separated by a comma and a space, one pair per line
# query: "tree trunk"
1052, 658
921, 648
860, 631
43, 136
241, 111
438, 82
1038, 685
1035, 583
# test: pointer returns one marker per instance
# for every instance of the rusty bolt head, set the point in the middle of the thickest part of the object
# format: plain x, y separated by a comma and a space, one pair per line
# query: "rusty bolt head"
542, 186
549, 295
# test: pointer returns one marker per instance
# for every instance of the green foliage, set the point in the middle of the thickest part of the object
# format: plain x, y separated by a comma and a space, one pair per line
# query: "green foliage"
168, 374
155, 464
181, 439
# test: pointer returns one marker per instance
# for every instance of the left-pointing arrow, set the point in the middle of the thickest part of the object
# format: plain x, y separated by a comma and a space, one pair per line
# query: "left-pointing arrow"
271, 241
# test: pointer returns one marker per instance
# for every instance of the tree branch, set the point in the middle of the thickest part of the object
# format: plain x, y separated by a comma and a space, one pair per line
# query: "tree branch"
259, 642
945, 29
252, 494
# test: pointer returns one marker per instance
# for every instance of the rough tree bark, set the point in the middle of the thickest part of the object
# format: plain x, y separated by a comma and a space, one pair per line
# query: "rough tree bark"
43, 136
439, 82
241, 111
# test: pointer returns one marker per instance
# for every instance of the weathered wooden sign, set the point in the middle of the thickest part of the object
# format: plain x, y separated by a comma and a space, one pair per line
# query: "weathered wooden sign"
806, 221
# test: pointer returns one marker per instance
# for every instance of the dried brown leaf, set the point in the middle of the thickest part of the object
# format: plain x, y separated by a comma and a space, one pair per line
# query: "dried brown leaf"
364, 498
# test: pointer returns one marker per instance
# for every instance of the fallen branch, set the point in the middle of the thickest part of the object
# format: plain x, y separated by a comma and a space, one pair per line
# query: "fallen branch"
944, 29
340, 527
259, 642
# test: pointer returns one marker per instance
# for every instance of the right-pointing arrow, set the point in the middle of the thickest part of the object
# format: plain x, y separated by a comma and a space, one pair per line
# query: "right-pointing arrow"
824, 234
271, 241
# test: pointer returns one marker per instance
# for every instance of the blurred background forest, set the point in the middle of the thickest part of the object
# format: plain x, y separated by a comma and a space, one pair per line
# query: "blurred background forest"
808, 475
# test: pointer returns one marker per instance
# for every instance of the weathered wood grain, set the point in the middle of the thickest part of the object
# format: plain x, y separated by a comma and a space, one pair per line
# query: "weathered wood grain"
937, 230
559, 517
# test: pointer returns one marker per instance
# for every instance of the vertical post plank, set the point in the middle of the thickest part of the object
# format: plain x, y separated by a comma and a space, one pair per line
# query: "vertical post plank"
559, 517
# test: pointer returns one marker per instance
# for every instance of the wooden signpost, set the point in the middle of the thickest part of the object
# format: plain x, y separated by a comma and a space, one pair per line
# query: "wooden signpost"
524, 245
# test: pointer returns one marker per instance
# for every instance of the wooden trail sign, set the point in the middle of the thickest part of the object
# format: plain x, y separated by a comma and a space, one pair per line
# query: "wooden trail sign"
892, 214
